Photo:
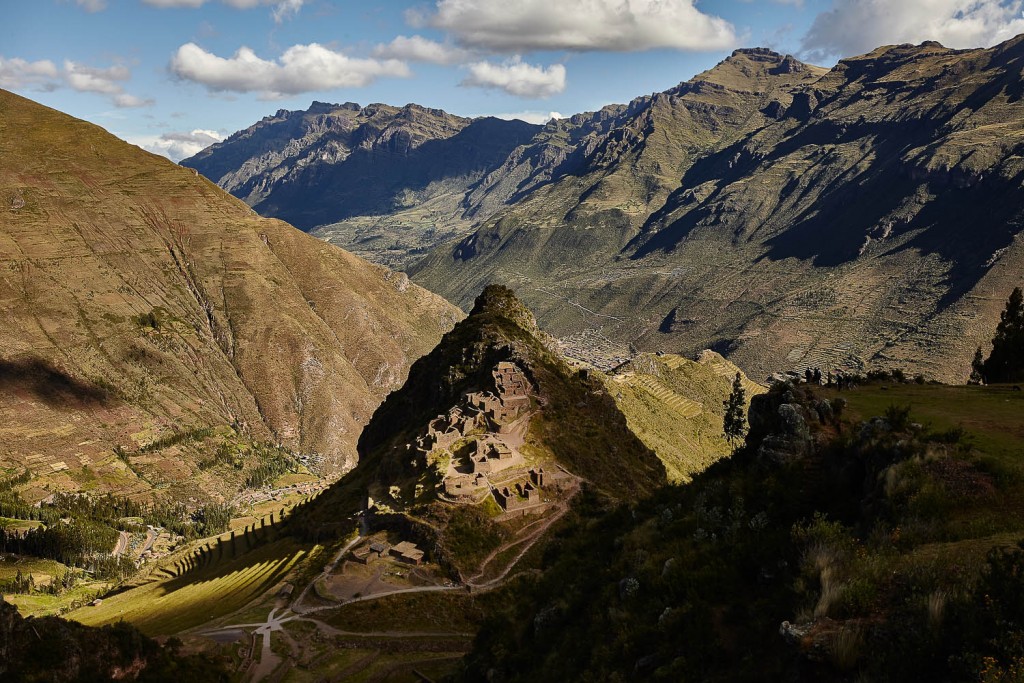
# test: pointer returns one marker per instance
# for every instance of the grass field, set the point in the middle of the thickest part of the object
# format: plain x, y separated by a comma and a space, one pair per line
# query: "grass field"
993, 417
19, 524
989, 424
184, 602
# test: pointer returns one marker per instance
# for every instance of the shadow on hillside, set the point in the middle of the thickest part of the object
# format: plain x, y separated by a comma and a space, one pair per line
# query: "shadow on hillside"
50, 384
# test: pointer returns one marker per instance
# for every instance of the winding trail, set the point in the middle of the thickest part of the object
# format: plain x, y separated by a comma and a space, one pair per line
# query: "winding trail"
123, 538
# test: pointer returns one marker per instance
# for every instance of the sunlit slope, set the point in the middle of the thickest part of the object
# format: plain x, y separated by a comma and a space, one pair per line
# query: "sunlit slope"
138, 300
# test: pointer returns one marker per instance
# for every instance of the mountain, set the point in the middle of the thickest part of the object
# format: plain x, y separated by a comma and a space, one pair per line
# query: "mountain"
339, 166
491, 422
785, 216
155, 331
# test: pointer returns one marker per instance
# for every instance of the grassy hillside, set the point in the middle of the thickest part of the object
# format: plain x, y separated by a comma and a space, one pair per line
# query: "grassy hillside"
675, 406
148, 318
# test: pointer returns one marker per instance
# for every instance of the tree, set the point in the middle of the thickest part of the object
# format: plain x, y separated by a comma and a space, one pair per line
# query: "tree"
977, 368
735, 420
1006, 362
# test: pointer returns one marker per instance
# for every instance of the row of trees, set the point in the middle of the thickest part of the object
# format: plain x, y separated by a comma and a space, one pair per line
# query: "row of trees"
1006, 361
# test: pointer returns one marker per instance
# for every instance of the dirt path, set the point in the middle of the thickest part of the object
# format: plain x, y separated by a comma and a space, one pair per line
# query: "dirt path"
122, 543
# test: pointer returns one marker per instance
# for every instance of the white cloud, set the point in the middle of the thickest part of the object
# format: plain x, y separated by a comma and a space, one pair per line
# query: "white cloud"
91, 79
531, 116
44, 75
617, 25
126, 101
518, 78
420, 49
92, 5
107, 81
282, 9
178, 145
285, 9
18, 73
302, 68
853, 27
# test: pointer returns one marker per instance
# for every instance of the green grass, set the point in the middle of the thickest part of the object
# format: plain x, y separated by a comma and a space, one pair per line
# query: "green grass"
184, 602
18, 524
447, 612
992, 416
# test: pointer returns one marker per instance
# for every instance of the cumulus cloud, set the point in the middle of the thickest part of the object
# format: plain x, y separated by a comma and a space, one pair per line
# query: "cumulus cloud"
18, 73
531, 116
107, 81
853, 27
282, 9
44, 75
420, 49
516, 77
179, 145
91, 79
618, 25
302, 68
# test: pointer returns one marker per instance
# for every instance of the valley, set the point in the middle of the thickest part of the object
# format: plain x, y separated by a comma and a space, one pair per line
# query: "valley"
677, 389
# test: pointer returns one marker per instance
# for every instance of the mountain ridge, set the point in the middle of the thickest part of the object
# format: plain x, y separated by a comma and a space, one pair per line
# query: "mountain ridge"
862, 175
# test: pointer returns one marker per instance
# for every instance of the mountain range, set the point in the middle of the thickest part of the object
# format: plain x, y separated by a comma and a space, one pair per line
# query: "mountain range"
785, 215
338, 168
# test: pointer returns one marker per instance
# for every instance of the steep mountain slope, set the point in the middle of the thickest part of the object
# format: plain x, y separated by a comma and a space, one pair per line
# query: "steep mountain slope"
335, 164
148, 318
867, 216
483, 413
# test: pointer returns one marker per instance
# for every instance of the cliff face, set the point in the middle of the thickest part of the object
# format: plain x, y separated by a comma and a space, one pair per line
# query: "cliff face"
141, 305
785, 216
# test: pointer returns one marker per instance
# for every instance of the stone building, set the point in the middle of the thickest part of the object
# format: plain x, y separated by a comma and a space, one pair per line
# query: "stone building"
407, 552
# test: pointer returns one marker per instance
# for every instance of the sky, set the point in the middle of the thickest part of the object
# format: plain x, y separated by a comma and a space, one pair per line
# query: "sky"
174, 76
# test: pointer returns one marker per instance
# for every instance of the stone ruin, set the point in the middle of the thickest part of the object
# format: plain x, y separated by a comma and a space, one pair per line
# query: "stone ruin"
492, 456
481, 410
512, 400
522, 494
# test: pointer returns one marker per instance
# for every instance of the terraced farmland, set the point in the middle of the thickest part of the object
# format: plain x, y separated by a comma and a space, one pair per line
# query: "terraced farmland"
175, 604
684, 406
659, 396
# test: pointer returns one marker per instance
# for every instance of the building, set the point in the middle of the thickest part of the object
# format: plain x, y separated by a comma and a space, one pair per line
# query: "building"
407, 552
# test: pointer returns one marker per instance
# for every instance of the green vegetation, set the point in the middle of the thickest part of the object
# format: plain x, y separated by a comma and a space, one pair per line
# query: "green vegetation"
876, 539
176, 604
1006, 362
734, 422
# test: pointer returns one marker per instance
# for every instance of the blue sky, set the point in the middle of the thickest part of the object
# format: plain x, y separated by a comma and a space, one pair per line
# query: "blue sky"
175, 75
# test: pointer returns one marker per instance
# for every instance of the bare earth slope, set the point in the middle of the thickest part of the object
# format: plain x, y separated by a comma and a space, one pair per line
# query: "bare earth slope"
784, 216
139, 301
